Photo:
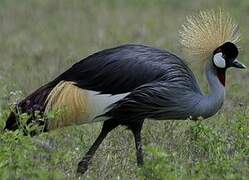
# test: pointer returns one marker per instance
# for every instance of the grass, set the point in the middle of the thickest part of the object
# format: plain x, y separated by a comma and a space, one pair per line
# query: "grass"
40, 39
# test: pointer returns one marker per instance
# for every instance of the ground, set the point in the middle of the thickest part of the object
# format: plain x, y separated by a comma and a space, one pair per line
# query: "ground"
42, 38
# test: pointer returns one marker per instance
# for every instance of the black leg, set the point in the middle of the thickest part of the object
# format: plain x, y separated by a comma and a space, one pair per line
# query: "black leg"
136, 128
107, 127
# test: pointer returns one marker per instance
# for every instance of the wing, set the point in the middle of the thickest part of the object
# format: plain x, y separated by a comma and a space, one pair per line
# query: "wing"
156, 100
124, 68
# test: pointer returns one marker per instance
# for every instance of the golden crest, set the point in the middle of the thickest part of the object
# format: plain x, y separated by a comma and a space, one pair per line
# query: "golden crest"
208, 30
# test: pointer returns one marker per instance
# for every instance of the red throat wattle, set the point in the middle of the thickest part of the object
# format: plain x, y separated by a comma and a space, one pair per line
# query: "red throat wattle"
222, 76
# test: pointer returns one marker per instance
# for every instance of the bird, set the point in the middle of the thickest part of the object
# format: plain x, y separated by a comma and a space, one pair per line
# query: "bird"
130, 83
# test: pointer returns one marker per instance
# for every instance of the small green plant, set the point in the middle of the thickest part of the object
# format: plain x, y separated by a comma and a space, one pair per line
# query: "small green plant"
159, 165
30, 124
207, 141
18, 158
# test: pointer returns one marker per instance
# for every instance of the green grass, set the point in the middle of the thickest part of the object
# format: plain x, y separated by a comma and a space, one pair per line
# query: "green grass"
40, 39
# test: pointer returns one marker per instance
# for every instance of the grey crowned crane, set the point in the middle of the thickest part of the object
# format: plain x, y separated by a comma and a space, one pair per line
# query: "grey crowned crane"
127, 84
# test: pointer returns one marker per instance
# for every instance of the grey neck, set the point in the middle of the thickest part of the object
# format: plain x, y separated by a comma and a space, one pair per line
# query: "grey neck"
211, 103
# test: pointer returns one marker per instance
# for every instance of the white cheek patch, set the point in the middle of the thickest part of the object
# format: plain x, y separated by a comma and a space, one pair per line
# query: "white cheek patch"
219, 61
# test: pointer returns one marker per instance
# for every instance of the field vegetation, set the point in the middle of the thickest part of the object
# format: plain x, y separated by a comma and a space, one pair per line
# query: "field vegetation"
42, 38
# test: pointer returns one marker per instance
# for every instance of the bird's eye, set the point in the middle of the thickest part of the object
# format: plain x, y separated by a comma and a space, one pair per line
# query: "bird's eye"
219, 60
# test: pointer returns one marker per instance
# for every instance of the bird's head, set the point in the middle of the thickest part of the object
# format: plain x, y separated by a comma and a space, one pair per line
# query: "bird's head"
225, 56
212, 36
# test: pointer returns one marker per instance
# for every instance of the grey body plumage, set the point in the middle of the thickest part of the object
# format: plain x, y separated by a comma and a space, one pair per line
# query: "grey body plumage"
160, 83
172, 93
124, 68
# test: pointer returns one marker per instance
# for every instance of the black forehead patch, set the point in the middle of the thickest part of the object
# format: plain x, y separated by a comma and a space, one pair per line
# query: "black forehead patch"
229, 50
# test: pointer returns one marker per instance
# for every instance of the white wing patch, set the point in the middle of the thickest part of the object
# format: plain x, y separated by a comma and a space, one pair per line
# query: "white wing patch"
99, 103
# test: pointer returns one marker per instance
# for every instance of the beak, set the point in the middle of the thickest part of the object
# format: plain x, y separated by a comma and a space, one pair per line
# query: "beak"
239, 65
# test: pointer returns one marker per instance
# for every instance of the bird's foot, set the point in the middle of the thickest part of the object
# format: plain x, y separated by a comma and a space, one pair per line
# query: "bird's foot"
82, 167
